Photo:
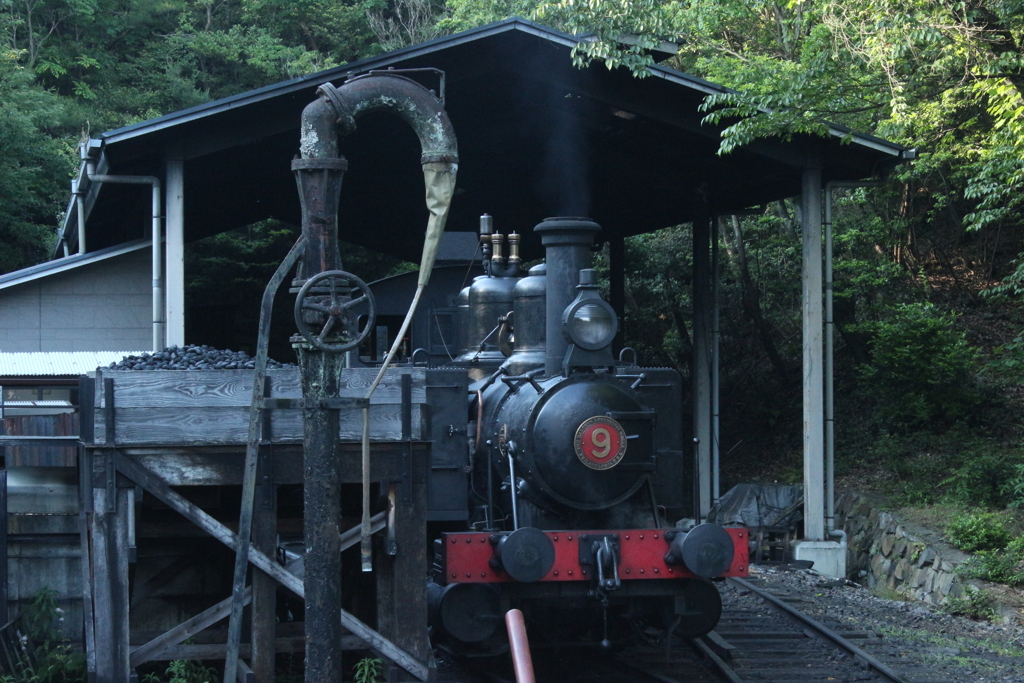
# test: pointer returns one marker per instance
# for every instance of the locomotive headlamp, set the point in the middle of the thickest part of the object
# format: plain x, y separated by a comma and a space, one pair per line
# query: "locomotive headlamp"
589, 322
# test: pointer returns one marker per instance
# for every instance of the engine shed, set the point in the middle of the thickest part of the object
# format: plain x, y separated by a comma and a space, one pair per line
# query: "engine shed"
537, 137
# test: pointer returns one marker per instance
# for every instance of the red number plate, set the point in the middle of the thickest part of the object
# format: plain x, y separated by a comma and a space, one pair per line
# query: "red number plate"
600, 443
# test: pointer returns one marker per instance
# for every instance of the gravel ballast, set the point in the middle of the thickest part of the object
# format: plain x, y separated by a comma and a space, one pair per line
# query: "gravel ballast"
912, 635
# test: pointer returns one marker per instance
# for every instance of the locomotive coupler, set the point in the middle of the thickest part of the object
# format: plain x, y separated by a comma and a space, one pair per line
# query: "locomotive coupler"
603, 551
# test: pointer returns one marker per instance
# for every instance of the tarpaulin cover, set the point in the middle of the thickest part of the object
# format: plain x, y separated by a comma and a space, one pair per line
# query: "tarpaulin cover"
761, 505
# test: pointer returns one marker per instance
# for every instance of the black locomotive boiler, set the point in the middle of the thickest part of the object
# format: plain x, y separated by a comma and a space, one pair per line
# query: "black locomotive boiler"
578, 490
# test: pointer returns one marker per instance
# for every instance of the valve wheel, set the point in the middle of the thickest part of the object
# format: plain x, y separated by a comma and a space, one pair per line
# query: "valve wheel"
328, 309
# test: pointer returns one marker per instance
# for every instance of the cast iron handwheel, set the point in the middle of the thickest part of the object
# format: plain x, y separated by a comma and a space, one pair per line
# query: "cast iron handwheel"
325, 293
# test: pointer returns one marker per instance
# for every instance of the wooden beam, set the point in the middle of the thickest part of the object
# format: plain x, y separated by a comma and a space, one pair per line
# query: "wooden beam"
410, 599
161, 579
222, 465
347, 539
243, 674
217, 650
212, 406
194, 514
233, 388
177, 502
226, 425
154, 649
264, 539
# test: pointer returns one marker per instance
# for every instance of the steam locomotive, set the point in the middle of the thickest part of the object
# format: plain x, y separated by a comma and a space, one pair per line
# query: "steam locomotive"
573, 484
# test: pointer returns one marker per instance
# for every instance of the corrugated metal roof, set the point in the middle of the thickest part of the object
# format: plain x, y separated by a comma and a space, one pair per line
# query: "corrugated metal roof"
58, 363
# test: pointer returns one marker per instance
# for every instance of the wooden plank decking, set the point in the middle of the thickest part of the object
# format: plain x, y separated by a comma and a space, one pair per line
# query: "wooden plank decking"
211, 407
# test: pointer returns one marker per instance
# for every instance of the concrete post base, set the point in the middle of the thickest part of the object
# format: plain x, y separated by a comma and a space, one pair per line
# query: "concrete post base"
829, 557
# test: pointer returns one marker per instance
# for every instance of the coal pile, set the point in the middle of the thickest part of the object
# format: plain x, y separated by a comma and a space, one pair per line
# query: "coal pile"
193, 358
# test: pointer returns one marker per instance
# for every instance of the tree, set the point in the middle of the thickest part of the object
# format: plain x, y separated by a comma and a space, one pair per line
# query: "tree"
34, 167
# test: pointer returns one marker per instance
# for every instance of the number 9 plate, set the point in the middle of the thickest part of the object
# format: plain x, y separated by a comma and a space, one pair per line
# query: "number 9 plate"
600, 443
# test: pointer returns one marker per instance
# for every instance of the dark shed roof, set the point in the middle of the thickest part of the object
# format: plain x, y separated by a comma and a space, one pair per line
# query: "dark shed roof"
537, 137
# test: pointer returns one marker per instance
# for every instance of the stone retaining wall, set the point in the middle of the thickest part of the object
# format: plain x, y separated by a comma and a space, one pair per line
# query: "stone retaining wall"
884, 551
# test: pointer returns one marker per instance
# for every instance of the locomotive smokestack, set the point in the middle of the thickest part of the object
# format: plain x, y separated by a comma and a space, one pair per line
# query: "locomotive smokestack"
567, 243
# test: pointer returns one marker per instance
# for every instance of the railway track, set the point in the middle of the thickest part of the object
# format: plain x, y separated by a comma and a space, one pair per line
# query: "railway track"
761, 637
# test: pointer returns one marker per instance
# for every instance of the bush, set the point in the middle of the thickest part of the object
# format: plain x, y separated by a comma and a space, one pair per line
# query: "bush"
1013, 487
955, 467
979, 531
976, 604
921, 369
184, 671
979, 476
998, 566
55, 662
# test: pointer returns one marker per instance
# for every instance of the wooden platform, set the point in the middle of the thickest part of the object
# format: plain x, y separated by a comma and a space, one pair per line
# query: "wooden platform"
162, 429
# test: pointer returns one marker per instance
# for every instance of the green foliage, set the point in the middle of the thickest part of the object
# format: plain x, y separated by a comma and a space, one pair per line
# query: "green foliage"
34, 166
954, 467
921, 369
976, 604
404, 22
187, 671
1014, 487
1005, 367
658, 305
183, 671
974, 531
1010, 289
1003, 565
55, 661
604, 23
368, 670
467, 14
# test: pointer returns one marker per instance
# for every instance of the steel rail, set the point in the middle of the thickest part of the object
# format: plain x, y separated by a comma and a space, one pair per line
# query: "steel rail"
721, 666
862, 656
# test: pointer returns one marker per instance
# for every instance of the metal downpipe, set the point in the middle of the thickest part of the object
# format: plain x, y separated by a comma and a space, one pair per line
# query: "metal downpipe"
159, 321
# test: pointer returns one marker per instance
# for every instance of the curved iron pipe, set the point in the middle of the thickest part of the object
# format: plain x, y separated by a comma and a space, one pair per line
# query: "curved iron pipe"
335, 112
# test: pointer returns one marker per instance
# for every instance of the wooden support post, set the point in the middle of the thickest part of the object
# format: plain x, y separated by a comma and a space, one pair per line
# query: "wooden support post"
3, 546
84, 526
408, 616
264, 588
384, 571
109, 559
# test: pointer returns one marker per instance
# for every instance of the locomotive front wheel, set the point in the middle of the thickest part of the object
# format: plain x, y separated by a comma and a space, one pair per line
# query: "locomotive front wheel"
335, 311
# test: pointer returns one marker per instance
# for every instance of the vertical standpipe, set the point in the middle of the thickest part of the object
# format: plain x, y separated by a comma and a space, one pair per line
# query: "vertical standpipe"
319, 174
567, 243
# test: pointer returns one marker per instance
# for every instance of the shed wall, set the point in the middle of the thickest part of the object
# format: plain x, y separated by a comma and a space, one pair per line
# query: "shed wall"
96, 307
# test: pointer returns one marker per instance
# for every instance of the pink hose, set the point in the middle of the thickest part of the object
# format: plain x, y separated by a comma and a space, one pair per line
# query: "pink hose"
520, 646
